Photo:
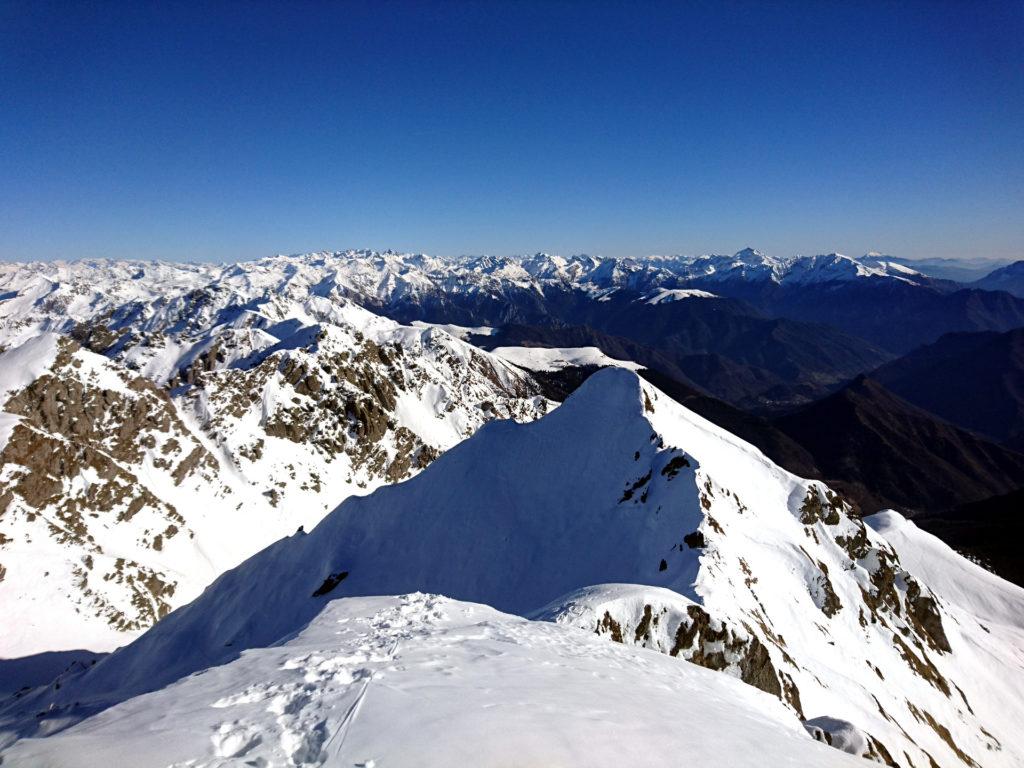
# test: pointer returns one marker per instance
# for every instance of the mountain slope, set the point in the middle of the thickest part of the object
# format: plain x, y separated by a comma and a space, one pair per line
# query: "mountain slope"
889, 452
427, 681
562, 370
121, 498
768, 578
974, 380
1009, 278
723, 349
98, 475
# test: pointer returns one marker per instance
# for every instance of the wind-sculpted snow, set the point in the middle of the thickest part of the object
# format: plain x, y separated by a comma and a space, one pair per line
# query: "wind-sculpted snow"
723, 560
426, 681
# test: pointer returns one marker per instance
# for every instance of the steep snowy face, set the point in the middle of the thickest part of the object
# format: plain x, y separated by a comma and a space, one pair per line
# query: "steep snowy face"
217, 420
427, 681
719, 557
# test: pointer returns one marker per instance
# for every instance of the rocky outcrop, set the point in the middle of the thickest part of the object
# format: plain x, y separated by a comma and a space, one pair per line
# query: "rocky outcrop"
71, 470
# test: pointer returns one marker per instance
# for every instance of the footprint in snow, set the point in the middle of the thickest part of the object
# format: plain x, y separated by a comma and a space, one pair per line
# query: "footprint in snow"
234, 739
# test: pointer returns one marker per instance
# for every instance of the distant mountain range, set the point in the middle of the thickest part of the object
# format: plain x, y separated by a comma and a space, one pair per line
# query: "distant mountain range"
958, 270
571, 476
1009, 278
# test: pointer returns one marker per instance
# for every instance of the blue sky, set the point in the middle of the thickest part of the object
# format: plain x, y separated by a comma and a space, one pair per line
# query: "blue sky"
233, 130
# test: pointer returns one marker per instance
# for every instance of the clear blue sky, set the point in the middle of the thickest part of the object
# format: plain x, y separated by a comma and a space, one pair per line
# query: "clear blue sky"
234, 130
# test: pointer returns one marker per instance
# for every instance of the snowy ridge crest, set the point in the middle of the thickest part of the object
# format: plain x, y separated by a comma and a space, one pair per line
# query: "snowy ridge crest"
631, 518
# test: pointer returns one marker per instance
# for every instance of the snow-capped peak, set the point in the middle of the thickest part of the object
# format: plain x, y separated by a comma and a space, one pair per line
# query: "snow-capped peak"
735, 565
750, 256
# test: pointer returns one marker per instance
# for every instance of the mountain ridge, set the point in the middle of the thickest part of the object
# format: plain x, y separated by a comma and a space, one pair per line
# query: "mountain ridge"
616, 498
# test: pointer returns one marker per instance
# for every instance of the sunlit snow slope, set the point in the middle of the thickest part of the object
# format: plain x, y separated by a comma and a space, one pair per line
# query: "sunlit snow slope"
421, 680
623, 514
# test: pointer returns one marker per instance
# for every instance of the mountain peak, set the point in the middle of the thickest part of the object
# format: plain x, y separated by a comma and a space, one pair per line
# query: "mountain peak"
750, 254
618, 486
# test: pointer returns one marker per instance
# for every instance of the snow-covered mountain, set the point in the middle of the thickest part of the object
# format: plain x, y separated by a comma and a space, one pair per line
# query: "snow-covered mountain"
161, 297
158, 317
620, 516
161, 424
427, 681
261, 394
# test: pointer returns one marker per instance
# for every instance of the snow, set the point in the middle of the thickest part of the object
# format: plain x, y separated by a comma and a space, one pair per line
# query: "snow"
678, 294
582, 515
19, 367
961, 583
60, 589
987, 615
22, 365
427, 681
897, 267
583, 511
556, 358
458, 331
41, 669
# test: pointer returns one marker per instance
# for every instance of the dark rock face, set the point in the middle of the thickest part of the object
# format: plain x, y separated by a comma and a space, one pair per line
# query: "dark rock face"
702, 641
330, 583
693, 637
824, 506
695, 540
830, 602
609, 626
923, 611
